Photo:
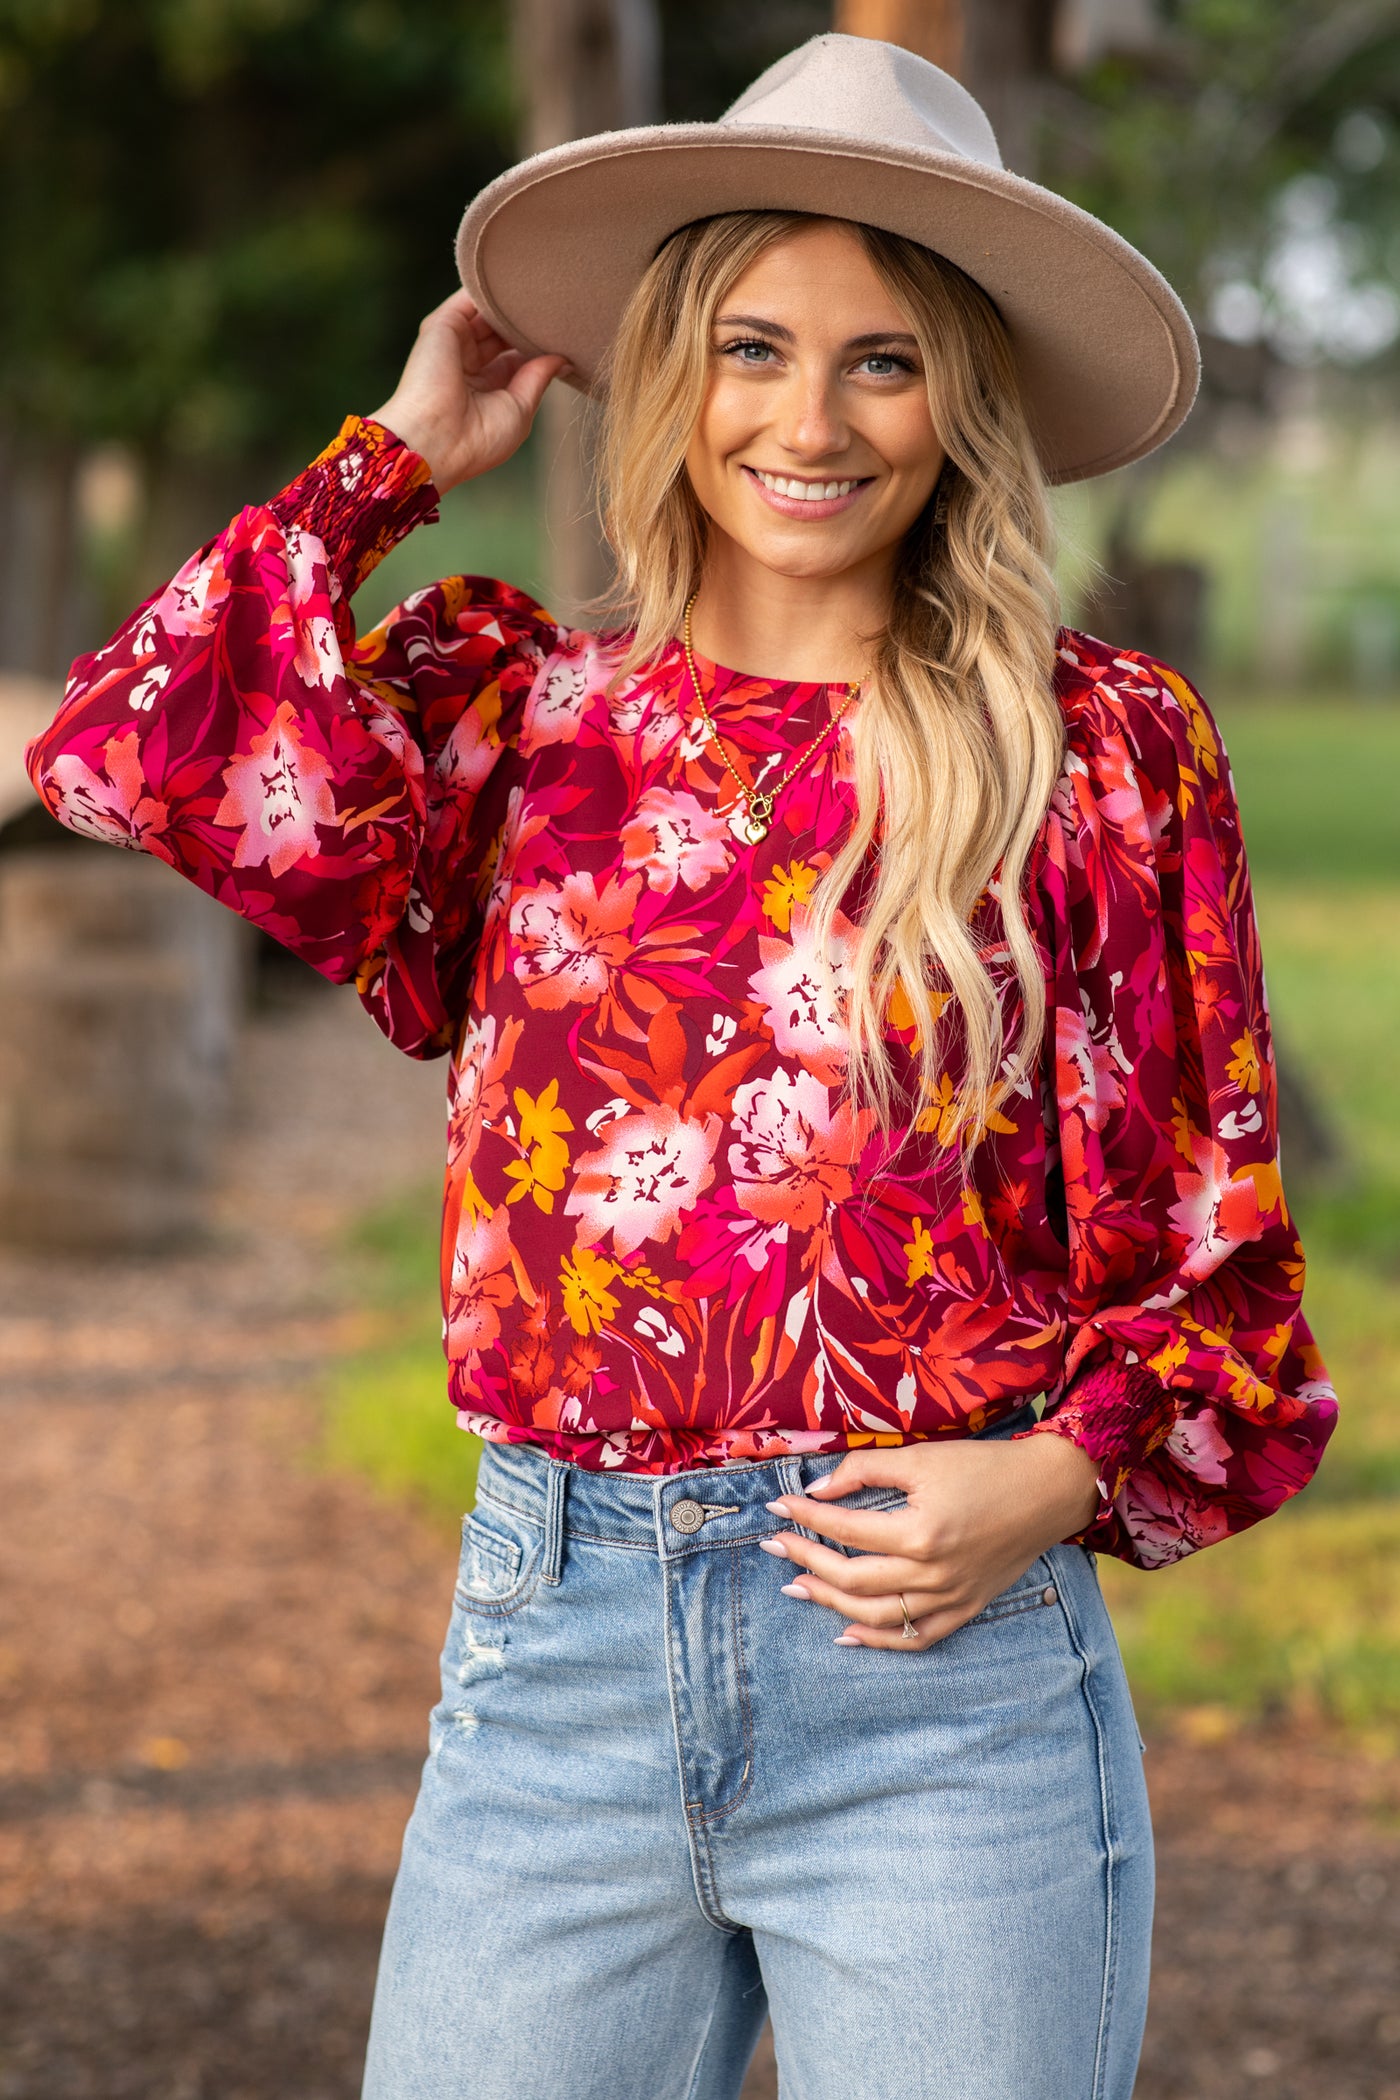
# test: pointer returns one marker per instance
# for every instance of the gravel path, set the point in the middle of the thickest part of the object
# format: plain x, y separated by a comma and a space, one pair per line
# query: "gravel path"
216, 1663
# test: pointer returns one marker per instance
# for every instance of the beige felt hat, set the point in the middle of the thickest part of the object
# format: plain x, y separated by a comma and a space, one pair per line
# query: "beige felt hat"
847, 127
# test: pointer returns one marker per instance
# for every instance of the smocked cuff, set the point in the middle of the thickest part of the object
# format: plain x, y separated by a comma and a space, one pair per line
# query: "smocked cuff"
1118, 1414
363, 494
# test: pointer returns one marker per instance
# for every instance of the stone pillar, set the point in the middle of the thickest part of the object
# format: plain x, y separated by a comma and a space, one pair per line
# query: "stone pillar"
122, 989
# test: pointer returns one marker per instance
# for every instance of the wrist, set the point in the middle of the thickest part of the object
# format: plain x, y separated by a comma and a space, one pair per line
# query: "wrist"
419, 436
1066, 1481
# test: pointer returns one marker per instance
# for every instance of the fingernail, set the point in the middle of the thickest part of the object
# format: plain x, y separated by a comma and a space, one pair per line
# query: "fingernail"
847, 1640
776, 1547
795, 1589
779, 1509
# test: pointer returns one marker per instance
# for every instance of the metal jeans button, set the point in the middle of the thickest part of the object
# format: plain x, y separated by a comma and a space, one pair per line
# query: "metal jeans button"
686, 1516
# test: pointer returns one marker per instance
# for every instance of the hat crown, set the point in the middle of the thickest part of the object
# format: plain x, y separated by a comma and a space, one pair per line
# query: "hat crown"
858, 87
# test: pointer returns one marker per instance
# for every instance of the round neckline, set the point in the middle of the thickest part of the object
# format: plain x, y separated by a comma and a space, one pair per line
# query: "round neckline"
713, 670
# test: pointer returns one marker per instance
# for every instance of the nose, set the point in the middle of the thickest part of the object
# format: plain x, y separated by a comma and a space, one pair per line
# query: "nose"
811, 425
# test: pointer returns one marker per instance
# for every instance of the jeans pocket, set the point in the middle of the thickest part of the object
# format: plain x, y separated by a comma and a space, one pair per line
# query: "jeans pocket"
1032, 1591
501, 1553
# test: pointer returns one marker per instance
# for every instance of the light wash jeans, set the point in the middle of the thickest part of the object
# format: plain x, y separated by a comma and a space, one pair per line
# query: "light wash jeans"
659, 1802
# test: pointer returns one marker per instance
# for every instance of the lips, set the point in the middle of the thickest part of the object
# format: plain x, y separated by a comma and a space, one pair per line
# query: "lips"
806, 499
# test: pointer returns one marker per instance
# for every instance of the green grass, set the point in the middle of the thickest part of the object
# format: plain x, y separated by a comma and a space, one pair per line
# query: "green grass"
1301, 1617
387, 1416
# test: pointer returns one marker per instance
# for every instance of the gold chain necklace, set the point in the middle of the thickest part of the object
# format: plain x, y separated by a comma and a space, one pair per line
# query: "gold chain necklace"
757, 815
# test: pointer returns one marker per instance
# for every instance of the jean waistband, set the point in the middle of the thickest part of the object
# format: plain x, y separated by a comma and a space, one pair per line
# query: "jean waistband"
671, 1512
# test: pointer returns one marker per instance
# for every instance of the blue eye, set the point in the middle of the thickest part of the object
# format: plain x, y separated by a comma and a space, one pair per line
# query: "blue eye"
740, 351
887, 363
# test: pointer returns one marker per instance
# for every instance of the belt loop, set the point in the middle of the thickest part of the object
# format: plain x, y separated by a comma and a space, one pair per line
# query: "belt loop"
554, 1521
790, 1473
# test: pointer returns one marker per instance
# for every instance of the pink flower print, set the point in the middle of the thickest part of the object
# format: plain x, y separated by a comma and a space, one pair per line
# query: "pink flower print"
1199, 1448
803, 996
1218, 1209
116, 809
652, 1166
279, 791
569, 940
481, 1282
192, 601
791, 1158
475, 1091
1086, 1082
560, 695
672, 838
646, 711
318, 659
464, 763
1165, 1522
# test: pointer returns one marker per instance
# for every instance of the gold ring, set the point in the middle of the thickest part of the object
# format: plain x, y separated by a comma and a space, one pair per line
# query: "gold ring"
910, 1631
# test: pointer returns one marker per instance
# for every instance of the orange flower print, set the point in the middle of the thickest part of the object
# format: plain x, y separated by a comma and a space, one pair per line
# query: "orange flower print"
651, 1167
279, 791
523, 863
672, 838
568, 940
792, 1157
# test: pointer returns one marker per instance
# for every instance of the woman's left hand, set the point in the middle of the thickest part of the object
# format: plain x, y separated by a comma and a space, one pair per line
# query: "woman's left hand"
978, 1513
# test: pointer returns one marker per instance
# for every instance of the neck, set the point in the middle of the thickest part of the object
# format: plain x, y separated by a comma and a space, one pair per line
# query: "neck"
807, 629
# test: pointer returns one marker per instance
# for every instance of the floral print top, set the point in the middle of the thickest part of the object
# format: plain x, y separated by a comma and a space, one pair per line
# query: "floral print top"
669, 1241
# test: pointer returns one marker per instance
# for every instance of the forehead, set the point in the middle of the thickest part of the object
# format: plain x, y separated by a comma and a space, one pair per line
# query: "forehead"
820, 275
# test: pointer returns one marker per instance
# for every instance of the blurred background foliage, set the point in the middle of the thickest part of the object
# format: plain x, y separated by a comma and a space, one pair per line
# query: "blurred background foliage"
219, 221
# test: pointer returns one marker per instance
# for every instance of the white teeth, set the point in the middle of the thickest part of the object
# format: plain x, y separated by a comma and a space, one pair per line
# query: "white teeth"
804, 491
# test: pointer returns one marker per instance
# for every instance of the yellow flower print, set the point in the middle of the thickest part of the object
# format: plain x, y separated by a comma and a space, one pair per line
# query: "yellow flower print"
587, 1299
1168, 1359
918, 1252
1198, 729
786, 887
973, 1213
938, 1116
1243, 1067
474, 1204
542, 1174
641, 1278
1183, 1136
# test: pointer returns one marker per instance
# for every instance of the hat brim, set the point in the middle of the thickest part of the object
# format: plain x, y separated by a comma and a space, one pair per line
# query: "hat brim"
1109, 364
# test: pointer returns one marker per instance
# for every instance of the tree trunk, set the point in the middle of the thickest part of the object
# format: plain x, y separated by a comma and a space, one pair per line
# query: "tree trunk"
933, 28
584, 66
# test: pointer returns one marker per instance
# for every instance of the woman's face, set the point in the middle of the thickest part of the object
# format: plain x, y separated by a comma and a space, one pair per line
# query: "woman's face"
814, 451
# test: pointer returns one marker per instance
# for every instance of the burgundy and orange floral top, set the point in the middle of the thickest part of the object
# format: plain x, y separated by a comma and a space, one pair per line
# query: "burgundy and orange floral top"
669, 1241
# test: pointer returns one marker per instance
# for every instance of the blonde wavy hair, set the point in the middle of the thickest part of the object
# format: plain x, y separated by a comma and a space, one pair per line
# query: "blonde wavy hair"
958, 739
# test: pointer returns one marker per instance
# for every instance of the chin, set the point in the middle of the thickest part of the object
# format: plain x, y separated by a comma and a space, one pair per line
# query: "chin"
815, 561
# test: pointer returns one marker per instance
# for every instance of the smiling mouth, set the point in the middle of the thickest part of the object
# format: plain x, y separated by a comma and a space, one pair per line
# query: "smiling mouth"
806, 491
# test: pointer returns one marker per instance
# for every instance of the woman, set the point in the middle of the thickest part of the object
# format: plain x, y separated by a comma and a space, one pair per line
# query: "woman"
846, 1050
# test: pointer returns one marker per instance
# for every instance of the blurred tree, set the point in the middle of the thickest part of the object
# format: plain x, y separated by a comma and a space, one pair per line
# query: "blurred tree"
216, 216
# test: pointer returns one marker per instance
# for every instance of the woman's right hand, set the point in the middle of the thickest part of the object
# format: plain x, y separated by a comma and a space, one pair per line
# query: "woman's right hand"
465, 400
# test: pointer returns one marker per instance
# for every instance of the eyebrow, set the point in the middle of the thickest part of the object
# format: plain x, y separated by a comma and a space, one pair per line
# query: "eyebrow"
785, 335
